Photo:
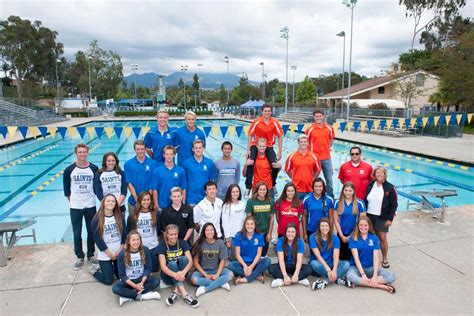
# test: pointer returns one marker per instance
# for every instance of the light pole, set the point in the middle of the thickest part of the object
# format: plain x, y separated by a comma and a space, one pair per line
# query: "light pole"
199, 82
351, 5
183, 69
263, 79
90, 86
134, 69
56, 61
343, 35
227, 61
285, 35
294, 70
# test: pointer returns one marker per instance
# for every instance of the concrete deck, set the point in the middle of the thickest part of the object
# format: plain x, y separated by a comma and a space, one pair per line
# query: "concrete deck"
433, 262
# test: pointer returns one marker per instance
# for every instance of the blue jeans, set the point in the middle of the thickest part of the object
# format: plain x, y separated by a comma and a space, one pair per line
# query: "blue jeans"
124, 290
259, 269
108, 269
319, 269
198, 279
154, 260
354, 276
76, 222
326, 166
302, 195
175, 267
276, 273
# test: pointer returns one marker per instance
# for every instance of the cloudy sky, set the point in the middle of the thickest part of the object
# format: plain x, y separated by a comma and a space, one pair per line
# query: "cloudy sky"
161, 36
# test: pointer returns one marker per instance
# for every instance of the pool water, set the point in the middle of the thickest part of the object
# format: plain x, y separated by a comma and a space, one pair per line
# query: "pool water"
31, 172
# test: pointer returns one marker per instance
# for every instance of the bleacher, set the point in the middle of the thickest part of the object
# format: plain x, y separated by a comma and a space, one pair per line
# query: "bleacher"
18, 115
296, 117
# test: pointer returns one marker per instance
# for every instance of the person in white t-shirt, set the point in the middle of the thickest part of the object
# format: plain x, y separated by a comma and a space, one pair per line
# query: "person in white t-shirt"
209, 209
233, 216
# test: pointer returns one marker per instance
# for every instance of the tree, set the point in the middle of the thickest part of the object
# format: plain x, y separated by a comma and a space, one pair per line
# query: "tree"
419, 59
244, 91
222, 94
306, 91
29, 49
408, 87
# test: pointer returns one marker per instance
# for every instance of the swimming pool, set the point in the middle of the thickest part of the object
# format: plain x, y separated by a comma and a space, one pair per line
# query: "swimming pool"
31, 172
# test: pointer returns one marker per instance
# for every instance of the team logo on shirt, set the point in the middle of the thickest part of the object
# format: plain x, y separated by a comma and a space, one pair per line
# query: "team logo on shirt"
175, 175
371, 243
204, 168
168, 136
210, 253
185, 215
255, 242
362, 172
147, 168
195, 137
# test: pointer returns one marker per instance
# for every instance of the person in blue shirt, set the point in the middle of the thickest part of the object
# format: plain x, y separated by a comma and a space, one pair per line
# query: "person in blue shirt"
248, 244
316, 206
157, 139
138, 172
346, 212
134, 268
365, 269
290, 268
199, 171
324, 258
186, 135
165, 177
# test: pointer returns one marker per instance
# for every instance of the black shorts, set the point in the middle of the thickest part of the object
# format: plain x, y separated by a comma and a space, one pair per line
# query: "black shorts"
377, 223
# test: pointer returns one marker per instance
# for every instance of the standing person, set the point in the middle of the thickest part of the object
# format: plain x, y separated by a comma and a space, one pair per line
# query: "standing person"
186, 135
209, 209
356, 171
108, 226
209, 256
228, 170
179, 214
321, 136
138, 172
175, 261
199, 170
145, 220
382, 203
78, 185
134, 266
110, 179
364, 269
156, 140
290, 268
324, 258
262, 169
233, 216
289, 209
262, 208
167, 176
316, 206
346, 212
248, 244
270, 129
302, 167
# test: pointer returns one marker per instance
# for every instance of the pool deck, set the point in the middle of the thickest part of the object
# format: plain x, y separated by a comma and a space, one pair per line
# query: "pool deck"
433, 263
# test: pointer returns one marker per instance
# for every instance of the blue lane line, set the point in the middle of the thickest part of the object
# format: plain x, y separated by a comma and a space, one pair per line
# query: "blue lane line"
16, 175
30, 152
15, 207
417, 199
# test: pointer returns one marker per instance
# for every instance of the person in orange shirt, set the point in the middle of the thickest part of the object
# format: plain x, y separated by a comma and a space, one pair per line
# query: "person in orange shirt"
320, 136
302, 167
261, 167
269, 128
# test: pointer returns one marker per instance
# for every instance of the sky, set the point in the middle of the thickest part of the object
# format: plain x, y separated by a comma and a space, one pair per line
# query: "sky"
160, 36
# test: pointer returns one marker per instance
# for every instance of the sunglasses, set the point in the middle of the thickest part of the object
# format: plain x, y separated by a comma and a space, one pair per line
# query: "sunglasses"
355, 154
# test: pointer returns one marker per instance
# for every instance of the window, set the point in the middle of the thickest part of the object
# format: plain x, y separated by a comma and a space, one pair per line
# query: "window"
420, 80
381, 90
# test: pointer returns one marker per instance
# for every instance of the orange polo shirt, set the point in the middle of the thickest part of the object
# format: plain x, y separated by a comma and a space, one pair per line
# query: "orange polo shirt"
320, 138
262, 172
259, 129
302, 168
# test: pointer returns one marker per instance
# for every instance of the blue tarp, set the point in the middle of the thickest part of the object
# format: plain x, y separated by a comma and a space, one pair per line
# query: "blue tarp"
253, 104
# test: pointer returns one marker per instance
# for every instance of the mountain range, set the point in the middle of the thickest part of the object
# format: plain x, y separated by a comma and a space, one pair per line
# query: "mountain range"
207, 80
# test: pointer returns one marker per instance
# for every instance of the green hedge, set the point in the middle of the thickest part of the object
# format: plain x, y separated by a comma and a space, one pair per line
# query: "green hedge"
153, 113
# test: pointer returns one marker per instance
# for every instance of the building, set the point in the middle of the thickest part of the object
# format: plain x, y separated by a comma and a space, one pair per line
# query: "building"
402, 89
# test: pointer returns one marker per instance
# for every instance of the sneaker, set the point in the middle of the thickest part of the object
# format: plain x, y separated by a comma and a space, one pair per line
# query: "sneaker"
191, 301
163, 285
94, 269
345, 282
151, 296
200, 291
304, 282
123, 300
277, 283
319, 284
93, 261
275, 192
274, 241
79, 263
172, 298
247, 193
226, 286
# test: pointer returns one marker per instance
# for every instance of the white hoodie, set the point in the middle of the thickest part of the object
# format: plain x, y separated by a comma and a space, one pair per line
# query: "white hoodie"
233, 216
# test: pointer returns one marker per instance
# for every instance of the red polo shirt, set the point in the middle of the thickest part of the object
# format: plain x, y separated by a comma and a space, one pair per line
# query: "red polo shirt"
320, 138
360, 176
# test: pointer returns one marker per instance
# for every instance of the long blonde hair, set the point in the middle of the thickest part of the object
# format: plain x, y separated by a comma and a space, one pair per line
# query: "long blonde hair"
165, 235
128, 250
355, 205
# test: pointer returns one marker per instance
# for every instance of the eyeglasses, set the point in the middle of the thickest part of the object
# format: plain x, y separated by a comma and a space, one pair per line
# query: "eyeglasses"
355, 154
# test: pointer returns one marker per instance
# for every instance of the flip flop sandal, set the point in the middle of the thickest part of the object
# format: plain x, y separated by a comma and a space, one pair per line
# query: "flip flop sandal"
391, 289
261, 278
385, 265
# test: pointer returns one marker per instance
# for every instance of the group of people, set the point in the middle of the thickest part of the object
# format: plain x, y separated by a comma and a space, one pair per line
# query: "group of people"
192, 215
